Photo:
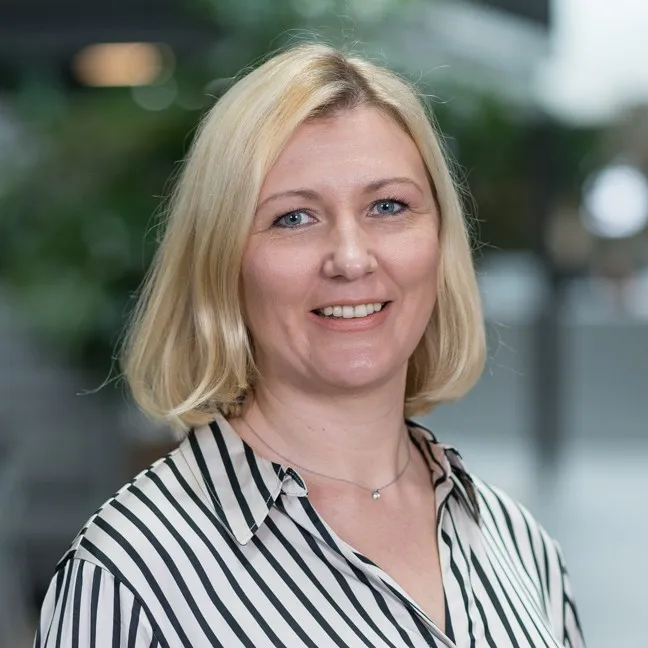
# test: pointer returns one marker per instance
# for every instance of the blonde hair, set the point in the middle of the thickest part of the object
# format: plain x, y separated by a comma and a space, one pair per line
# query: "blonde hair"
187, 354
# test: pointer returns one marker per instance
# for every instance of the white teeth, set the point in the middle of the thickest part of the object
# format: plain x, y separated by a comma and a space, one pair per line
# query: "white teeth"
350, 312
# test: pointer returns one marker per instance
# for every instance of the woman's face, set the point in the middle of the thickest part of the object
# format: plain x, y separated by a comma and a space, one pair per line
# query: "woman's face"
340, 269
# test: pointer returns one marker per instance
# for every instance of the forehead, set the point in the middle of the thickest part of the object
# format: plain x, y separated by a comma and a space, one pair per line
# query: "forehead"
358, 145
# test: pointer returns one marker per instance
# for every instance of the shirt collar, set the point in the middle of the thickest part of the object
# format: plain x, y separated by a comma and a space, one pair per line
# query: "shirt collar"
449, 473
243, 487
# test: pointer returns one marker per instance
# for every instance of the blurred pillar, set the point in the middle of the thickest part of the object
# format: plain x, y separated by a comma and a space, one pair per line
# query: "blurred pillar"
547, 418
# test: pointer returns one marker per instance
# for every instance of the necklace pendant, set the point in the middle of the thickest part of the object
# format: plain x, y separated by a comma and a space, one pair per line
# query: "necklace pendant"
376, 494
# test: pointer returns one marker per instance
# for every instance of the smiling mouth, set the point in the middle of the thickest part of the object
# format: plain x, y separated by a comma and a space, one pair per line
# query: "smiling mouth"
351, 312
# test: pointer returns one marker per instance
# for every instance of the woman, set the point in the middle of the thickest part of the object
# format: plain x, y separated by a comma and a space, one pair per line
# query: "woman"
313, 290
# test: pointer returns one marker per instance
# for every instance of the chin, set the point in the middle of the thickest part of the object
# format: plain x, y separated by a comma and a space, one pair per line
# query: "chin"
360, 373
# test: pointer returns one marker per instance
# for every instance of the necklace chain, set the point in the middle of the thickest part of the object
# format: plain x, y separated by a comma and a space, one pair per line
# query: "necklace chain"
375, 492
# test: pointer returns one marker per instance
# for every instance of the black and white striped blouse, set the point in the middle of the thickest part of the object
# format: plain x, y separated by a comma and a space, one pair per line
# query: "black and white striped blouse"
216, 546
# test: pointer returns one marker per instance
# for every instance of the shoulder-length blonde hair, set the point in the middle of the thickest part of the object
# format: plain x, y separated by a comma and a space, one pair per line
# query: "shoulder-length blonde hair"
187, 354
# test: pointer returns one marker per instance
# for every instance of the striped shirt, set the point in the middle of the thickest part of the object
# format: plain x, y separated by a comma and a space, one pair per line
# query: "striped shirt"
215, 546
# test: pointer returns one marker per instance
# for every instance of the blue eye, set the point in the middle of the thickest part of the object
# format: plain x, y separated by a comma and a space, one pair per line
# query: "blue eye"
292, 220
389, 207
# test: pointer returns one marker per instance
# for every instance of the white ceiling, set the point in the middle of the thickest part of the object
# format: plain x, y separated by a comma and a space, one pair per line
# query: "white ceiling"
590, 66
598, 63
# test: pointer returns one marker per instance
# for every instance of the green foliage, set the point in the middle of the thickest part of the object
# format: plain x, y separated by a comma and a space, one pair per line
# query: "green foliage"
492, 142
72, 232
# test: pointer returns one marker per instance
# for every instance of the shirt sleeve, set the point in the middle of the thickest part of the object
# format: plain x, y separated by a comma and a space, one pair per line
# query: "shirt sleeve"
87, 607
561, 605
572, 632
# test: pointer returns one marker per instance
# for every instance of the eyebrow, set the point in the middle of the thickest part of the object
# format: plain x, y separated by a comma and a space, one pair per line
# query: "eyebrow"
309, 194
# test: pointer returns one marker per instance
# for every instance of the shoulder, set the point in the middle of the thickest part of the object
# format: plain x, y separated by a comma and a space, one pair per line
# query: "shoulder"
105, 583
144, 546
509, 528
85, 601
507, 518
523, 544
133, 535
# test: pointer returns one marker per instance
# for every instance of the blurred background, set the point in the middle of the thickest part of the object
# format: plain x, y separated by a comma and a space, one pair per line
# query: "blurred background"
545, 108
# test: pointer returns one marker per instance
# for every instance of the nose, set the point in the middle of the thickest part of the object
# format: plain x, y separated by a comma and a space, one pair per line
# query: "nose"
351, 256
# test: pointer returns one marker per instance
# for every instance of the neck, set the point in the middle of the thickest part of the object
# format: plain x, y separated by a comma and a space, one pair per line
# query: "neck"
358, 437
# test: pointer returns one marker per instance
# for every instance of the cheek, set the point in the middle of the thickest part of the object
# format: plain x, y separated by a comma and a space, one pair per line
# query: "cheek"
417, 260
256, 287
272, 281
